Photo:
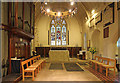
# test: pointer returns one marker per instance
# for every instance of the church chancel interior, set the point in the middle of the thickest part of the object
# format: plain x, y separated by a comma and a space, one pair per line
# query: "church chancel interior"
60, 41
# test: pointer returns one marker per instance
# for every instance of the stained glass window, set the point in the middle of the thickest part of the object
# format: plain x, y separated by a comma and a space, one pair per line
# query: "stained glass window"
63, 22
52, 22
52, 35
63, 35
118, 43
58, 32
58, 35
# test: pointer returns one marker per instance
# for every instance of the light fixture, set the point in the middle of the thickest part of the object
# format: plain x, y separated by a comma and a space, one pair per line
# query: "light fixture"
93, 11
94, 15
59, 13
72, 3
70, 10
86, 18
48, 10
45, 3
58, 9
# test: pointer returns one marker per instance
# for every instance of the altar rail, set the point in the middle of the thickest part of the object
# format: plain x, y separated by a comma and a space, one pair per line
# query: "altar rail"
44, 51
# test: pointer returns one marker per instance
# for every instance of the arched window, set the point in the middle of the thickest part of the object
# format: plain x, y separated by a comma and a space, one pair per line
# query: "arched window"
58, 32
118, 43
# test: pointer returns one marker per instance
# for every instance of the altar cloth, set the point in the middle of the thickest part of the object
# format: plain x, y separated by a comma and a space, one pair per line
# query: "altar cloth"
59, 55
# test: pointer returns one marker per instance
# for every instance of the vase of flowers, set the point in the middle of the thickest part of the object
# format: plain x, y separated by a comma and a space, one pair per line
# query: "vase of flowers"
93, 51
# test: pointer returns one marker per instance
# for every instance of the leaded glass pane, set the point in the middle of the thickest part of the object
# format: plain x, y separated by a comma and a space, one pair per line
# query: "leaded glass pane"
58, 19
63, 22
58, 35
63, 35
52, 35
58, 32
53, 22
52, 42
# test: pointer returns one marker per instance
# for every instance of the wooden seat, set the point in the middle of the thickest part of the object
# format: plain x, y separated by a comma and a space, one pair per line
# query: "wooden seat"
42, 62
103, 62
36, 64
28, 70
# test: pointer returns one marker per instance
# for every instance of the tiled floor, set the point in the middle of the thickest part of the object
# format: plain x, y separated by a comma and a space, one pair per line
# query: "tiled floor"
102, 76
62, 75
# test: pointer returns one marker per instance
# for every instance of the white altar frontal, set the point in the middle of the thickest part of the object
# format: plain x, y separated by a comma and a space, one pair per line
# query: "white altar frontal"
59, 55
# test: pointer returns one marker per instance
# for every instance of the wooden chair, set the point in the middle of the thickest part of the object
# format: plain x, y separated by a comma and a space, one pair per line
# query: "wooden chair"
28, 70
35, 64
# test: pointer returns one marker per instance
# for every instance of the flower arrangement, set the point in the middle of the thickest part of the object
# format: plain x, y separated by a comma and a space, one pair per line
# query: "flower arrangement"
92, 50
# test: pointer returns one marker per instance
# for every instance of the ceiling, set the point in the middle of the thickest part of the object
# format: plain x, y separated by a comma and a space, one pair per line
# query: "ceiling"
61, 6
84, 9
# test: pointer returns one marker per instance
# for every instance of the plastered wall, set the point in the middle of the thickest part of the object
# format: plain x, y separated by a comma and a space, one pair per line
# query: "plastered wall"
105, 46
4, 38
43, 25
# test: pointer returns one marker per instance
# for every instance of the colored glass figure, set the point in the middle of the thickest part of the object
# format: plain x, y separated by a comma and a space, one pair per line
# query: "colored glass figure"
52, 22
63, 22
52, 35
58, 32
58, 19
58, 42
63, 35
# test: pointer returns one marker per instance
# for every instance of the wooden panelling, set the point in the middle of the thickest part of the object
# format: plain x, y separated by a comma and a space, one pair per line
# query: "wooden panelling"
40, 51
19, 39
75, 51
20, 47
70, 51
9, 51
22, 33
30, 16
9, 13
5, 27
23, 10
47, 51
16, 14
44, 51
106, 32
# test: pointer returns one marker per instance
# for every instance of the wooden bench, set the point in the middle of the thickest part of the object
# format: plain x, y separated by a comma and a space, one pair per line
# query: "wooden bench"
103, 62
33, 65
37, 62
40, 61
27, 70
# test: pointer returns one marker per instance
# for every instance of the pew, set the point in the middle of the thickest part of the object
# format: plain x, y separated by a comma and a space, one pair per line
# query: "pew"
33, 65
103, 62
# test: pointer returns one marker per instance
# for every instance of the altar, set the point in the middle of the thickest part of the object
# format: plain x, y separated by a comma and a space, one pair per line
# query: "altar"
59, 55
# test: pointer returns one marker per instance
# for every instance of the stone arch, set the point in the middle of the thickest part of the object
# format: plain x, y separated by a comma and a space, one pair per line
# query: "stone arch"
85, 41
95, 39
